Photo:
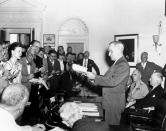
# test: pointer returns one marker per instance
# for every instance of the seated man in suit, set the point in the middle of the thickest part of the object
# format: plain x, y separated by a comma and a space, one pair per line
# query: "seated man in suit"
152, 99
150, 102
90, 63
72, 115
138, 88
147, 68
13, 102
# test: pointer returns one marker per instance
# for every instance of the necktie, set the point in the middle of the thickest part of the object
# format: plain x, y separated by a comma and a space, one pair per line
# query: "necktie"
143, 65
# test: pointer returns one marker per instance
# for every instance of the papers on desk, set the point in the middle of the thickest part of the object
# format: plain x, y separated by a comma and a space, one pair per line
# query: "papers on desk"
39, 81
91, 114
89, 109
88, 106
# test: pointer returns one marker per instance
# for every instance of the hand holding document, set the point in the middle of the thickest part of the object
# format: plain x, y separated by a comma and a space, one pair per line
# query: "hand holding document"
90, 75
79, 68
39, 81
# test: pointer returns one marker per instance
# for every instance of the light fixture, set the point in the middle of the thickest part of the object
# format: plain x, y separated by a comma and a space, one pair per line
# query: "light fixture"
156, 39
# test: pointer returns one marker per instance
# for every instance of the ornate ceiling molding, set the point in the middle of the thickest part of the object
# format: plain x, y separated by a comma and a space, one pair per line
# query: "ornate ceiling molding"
21, 5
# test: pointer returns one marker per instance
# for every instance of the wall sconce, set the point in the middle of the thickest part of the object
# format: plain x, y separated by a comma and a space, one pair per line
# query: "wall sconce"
156, 39
156, 43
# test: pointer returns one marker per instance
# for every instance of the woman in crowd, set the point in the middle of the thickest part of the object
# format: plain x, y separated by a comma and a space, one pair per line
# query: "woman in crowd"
12, 66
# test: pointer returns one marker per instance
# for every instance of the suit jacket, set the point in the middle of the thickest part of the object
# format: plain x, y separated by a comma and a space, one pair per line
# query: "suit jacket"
147, 71
164, 74
151, 99
51, 67
114, 86
41, 62
89, 125
24, 72
91, 64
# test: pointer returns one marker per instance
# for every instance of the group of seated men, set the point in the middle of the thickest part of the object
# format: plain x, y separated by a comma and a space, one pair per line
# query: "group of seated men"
145, 90
144, 80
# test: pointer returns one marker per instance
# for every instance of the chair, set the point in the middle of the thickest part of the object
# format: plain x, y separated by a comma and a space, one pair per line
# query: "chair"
155, 121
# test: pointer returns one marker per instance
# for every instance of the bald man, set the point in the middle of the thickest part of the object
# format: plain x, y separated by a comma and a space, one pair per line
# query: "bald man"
13, 101
72, 115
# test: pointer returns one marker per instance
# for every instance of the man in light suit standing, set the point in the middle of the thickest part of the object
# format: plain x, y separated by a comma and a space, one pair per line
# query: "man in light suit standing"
28, 70
114, 83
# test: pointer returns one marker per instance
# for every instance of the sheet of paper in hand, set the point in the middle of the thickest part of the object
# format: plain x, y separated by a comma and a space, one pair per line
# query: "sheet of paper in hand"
40, 81
79, 68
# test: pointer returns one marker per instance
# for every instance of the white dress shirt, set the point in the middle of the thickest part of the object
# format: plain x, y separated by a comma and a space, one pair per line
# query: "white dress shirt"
85, 62
7, 122
143, 65
28, 68
61, 65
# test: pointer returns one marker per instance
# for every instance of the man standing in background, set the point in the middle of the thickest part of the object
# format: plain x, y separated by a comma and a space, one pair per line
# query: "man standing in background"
147, 68
89, 64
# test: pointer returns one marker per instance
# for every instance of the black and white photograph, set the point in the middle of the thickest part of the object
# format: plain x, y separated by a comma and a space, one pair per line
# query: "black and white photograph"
82, 65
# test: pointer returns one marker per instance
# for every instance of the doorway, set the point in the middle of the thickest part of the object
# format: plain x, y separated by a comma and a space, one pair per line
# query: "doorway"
22, 35
74, 32
76, 47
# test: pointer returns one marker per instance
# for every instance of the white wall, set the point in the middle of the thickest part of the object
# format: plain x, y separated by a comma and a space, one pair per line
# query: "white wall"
106, 18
